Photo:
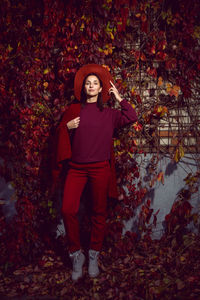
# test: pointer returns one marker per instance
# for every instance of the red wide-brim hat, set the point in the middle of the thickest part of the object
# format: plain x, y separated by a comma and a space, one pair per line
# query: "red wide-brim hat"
101, 72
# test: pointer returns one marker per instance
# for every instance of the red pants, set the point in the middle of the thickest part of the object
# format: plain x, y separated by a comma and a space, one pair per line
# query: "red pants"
98, 175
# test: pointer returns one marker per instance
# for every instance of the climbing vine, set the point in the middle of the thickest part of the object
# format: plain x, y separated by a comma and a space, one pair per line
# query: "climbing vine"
41, 47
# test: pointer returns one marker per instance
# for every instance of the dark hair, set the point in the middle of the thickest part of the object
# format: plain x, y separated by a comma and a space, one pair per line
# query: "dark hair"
84, 96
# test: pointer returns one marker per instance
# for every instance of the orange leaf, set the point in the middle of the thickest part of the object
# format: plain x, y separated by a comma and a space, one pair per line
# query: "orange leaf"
45, 84
160, 177
153, 49
143, 57
160, 81
172, 90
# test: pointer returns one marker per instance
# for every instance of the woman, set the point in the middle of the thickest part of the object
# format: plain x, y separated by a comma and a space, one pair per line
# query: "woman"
85, 139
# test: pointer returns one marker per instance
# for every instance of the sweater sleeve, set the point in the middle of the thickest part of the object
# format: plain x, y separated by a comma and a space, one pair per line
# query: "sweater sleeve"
125, 116
62, 145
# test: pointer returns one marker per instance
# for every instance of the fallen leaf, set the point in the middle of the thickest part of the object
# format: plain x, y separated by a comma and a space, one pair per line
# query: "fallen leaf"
63, 291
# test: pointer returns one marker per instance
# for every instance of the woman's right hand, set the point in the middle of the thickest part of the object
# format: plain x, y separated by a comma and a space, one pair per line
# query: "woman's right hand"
73, 123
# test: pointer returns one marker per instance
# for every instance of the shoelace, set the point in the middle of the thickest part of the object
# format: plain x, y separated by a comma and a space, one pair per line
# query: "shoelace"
93, 255
75, 261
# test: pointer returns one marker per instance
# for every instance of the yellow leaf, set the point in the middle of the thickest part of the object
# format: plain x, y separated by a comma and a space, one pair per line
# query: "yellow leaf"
116, 143
162, 110
48, 264
196, 33
119, 153
133, 105
133, 90
82, 27
179, 153
9, 48
169, 87
46, 71
106, 67
182, 258
108, 28
130, 154
111, 35
29, 22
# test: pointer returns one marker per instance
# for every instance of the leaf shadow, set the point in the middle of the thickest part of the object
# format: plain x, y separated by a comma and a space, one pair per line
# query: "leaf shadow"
171, 168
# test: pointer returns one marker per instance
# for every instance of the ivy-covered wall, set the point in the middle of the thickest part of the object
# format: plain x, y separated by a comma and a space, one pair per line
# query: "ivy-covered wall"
152, 50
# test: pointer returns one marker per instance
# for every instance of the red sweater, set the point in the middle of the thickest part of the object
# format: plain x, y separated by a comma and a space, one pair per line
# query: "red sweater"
92, 139
62, 141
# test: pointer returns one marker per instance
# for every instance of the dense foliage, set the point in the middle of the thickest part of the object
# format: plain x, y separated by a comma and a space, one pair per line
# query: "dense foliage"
42, 44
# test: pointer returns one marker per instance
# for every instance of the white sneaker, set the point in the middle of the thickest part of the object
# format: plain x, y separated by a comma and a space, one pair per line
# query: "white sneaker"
78, 259
93, 268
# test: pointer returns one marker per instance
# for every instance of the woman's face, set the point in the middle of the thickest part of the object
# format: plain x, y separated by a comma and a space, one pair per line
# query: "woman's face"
92, 86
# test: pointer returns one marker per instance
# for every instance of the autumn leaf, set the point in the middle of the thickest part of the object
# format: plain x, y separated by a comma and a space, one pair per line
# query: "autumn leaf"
9, 48
116, 143
63, 291
29, 22
160, 81
153, 49
171, 64
162, 45
137, 126
172, 90
191, 179
142, 57
160, 177
53, 45
152, 72
179, 153
46, 71
106, 67
133, 105
45, 84
160, 110
180, 284
133, 93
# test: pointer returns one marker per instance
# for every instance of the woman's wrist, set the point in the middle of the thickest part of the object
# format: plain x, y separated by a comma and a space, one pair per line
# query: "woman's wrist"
120, 99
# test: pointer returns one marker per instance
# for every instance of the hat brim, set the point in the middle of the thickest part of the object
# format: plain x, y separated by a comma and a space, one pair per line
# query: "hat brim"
101, 72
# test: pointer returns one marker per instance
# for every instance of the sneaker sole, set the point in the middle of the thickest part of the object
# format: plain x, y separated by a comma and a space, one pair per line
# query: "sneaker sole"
94, 275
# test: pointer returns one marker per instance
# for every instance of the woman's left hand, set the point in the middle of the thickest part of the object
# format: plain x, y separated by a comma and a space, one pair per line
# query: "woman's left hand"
114, 90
